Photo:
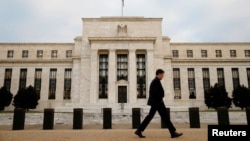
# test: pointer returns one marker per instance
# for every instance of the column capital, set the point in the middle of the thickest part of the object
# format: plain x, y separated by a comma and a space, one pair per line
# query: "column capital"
132, 50
112, 50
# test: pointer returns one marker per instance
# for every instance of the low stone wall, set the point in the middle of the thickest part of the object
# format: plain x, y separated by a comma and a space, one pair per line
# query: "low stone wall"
210, 117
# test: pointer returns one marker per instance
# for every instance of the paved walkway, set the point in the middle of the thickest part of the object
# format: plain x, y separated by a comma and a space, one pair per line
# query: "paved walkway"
95, 133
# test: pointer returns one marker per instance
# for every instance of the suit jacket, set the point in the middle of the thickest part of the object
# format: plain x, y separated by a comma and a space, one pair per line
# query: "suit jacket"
156, 92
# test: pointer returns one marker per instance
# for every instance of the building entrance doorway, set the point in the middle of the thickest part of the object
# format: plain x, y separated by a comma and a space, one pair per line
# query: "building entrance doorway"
122, 94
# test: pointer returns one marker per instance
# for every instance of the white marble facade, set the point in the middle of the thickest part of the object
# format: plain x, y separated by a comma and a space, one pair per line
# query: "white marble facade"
123, 35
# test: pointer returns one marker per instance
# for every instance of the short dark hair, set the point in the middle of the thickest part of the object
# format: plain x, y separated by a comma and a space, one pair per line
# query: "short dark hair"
159, 71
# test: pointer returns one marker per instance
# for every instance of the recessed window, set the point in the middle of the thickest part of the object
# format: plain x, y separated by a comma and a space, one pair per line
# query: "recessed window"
10, 53
204, 53
122, 67
233, 53
54, 54
189, 53
175, 53
218, 53
39, 54
68, 53
25, 54
103, 76
141, 75
247, 53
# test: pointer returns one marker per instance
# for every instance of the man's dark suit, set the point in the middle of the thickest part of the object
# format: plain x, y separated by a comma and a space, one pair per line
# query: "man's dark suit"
156, 94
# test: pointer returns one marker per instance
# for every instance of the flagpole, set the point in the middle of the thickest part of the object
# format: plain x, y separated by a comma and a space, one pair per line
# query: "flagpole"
122, 6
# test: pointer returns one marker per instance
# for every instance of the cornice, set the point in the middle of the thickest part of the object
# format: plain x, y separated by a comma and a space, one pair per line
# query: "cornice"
17, 61
92, 39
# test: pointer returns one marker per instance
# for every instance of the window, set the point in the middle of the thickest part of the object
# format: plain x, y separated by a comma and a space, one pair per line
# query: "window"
247, 53
189, 53
122, 67
25, 54
248, 77
141, 75
7, 78
203, 53
39, 54
38, 82
10, 54
206, 79
220, 75
175, 53
67, 83
218, 53
103, 76
177, 83
236, 79
52, 84
191, 83
233, 53
68, 53
23, 77
54, 54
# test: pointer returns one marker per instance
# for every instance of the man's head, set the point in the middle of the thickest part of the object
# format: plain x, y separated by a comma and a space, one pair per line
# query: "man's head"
159, 73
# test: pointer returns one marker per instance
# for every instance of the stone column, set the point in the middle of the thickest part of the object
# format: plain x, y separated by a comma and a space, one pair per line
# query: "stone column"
2, 75
168, 88
43, 102
60, 84
111, 76
75, 91
150, 69
15, 80
94, 76
30, 77
132, 76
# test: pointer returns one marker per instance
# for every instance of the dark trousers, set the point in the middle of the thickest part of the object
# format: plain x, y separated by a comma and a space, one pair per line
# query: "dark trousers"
164, 115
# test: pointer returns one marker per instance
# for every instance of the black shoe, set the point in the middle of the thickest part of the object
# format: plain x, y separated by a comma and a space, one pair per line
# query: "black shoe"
175, 135
138, 133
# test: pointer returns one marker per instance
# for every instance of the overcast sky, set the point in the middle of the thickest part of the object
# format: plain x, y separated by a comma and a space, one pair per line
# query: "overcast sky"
183, 20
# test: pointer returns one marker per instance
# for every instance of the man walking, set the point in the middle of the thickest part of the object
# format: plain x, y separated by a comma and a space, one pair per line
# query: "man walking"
156, 94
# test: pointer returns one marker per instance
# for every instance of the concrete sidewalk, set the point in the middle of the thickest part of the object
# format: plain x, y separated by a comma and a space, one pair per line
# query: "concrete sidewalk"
91, 133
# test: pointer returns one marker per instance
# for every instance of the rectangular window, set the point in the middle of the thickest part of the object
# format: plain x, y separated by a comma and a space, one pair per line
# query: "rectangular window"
54, 54
67, 84
218, 53
236, 78
141, 75
39, 54
206, 79
233, 53
248, 77
68, 53
203, 53
10, 54
189, 53
177, 83
191, 83
122, 67
247, 53
103, 76
22, 80
175, 53
38, 82
220, 75
52, 84
7, 78
25, 54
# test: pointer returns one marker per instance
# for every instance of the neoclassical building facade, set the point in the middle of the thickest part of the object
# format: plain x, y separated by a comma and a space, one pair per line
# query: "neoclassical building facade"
113, 62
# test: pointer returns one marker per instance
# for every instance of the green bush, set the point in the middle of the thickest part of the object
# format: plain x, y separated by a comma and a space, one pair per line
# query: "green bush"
241, 97
26, 98
217, 96
5, 98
